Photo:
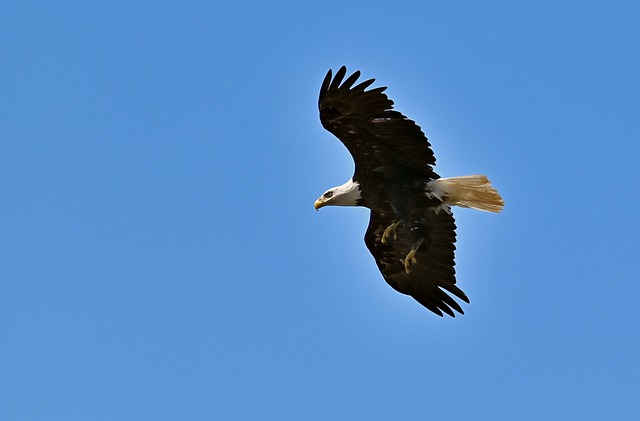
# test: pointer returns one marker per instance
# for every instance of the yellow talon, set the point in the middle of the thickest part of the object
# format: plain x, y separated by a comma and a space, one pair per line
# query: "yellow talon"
390, 232
410, 260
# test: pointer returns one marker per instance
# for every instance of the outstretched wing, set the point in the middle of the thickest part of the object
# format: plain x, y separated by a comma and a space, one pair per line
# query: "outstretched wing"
432, 279
378, 137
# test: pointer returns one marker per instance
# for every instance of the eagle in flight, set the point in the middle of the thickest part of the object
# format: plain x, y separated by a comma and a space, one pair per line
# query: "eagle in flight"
411, 231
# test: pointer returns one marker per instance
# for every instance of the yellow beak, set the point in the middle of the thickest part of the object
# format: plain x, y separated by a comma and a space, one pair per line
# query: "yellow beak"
318, 204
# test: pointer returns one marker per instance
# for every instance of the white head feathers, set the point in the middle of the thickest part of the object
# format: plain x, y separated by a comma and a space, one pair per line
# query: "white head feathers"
347, 194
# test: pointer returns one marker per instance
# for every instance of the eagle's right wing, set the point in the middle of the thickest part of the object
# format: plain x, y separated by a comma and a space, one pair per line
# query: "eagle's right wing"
378, 137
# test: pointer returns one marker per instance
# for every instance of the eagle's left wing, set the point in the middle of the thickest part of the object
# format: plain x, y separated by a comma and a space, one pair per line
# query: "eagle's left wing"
432, 279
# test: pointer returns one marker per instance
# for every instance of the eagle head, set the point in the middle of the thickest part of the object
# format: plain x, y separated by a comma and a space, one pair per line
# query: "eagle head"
348, 194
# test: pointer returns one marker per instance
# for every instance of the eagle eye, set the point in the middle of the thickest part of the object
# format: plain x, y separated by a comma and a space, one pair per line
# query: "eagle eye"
328, 195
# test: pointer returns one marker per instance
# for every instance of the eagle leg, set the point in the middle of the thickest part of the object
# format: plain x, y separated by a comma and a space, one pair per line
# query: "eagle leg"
390, 232
411, 260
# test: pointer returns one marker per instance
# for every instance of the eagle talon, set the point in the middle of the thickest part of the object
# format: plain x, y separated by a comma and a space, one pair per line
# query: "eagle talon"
390, 232
410, 260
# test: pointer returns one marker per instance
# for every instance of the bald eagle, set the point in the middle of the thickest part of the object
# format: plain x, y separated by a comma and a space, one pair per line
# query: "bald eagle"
411, 231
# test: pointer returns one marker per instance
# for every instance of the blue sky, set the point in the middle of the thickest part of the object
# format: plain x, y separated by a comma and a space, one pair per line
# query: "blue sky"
162, 260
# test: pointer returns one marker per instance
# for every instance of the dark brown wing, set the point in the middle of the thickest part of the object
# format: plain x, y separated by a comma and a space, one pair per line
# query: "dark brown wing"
432, 279
378, 137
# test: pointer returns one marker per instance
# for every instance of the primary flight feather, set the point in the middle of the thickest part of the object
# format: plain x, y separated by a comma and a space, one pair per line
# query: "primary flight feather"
411, 231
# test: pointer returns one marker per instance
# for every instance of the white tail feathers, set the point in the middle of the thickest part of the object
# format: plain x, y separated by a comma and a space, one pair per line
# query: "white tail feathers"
468, 191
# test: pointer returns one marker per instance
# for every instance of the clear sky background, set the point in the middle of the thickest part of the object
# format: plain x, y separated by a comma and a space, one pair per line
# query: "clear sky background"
160, 257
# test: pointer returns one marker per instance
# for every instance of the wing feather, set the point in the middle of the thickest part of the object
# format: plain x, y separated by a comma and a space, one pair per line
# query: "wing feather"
432, 281
378, 137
